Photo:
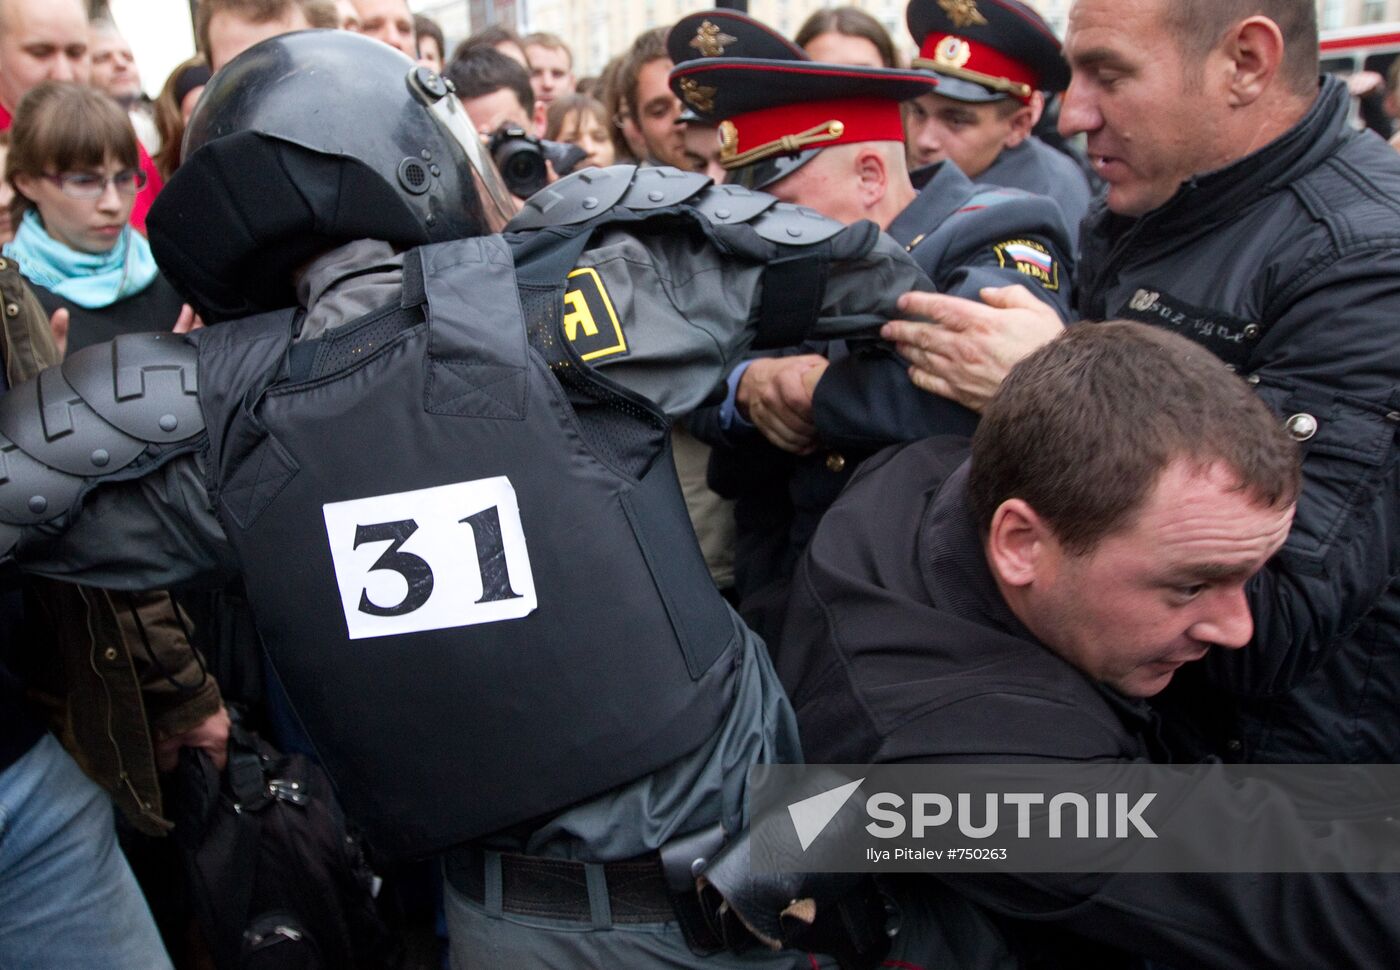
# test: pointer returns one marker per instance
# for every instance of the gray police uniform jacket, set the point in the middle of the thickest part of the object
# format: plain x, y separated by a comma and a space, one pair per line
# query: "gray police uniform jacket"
475, 679
1034, 166
1286, 264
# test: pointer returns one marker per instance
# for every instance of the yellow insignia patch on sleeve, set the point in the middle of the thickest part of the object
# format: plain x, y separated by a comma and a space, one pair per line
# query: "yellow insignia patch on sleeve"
590, 322
1031, 258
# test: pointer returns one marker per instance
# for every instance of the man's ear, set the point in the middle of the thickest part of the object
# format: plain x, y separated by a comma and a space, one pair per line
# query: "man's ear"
1017, 542
872, 177
1255, 48
1022, 123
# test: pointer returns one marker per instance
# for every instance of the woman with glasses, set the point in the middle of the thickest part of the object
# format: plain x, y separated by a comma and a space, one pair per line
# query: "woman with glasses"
74, 166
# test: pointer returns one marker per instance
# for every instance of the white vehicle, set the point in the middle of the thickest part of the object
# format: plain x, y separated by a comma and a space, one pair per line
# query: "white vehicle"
1369, 48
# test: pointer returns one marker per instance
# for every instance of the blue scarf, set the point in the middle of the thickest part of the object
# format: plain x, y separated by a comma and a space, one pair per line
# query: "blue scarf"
91, 280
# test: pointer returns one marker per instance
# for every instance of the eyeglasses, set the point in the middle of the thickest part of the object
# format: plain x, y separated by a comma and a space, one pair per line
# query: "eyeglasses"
89, 185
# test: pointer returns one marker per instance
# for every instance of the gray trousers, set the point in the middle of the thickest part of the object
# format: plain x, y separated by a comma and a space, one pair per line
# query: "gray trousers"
482, 941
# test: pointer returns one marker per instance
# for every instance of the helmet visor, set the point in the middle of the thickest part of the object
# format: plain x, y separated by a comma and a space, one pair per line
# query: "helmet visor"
496, 201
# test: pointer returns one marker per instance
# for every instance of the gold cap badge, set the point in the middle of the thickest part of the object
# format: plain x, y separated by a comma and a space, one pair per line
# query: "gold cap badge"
952, 52
699, 96
728, 140
963, 13
710, 41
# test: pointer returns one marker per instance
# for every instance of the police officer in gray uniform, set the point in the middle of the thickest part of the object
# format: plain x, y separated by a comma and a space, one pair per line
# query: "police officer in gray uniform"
994, 61
802, 130
439, 458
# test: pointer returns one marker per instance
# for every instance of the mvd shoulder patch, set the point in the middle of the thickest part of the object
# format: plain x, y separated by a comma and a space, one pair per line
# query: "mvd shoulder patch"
1031, 258
590, 322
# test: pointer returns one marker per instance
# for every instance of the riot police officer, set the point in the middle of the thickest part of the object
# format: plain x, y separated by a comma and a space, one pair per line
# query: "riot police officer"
438, 456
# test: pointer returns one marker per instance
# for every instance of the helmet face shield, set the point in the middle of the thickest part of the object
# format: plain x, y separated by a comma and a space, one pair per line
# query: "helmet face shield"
498, 205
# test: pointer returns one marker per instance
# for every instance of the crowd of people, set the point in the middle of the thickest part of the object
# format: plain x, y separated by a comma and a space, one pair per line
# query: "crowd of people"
1025, 400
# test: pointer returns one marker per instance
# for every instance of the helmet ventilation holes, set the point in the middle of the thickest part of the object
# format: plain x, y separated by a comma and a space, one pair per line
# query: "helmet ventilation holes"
413, 176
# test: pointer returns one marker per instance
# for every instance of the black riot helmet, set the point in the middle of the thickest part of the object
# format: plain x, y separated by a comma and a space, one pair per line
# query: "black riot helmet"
307, 141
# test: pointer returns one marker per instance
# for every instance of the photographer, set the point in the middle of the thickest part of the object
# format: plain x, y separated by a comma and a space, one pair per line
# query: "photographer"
494, 89
496, 93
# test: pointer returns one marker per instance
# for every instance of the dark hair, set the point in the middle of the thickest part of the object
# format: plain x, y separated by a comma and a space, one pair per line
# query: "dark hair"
318, 13
649, 46
485, 70
572, 104
1082, 429
170, 119
620, 82
428, 27
606, 92
853, 22
60, 126
487, 38
1200, 24
551, 41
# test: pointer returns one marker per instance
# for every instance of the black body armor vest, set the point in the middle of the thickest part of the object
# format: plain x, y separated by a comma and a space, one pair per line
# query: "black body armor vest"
467, 553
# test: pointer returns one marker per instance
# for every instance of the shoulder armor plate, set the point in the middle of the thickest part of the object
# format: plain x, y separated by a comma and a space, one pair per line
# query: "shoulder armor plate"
795, 225
728, 205
144, 384
31, 492
55, 426
575, 198
656, 188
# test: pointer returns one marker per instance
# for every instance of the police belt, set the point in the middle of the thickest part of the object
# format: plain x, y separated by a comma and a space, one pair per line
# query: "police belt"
655, 888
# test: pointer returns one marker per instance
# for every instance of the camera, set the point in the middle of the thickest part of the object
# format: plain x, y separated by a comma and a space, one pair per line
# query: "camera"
521, 157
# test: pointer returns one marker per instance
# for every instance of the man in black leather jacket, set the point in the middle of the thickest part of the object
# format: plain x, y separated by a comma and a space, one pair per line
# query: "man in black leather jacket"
1246, 214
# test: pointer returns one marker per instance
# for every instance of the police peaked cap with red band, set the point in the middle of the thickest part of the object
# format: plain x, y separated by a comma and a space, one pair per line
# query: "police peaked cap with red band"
776, 107
724, 33
775, 115
986, 50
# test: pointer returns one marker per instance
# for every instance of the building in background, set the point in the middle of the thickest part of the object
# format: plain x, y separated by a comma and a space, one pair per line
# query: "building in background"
160, 33
456, 17
1337, 14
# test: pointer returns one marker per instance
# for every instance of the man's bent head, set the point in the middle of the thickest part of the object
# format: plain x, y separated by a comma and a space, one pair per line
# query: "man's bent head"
1127, 486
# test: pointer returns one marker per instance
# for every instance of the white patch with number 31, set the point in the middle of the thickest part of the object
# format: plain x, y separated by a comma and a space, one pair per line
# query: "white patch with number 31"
430, 559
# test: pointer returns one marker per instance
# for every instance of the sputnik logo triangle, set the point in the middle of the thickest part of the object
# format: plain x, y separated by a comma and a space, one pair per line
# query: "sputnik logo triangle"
812, 815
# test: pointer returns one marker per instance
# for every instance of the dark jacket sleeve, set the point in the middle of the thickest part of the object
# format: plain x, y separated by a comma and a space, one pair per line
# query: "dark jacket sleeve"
865, 399
1340, 365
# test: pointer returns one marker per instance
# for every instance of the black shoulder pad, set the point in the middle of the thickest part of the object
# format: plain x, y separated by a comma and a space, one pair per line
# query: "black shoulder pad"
575, 198
9, 538
52, 423
144, 384
31, 492
732, 204
656, 188
795, 225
